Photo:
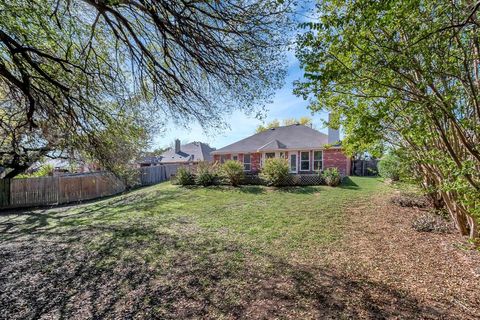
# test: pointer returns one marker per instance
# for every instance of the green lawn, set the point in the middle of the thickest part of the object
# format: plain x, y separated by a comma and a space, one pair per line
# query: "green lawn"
171, 251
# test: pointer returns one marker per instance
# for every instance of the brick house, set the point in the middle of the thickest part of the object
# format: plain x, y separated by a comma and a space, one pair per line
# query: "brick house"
306, 150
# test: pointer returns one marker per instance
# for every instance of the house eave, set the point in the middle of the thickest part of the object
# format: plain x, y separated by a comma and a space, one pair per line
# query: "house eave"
218, 152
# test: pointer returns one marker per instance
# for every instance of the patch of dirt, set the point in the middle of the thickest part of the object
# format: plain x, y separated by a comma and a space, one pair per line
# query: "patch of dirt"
432, 268
381, 269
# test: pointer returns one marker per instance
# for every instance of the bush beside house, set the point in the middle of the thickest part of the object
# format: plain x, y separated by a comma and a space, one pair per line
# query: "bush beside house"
332, 177
232, 172
276, 172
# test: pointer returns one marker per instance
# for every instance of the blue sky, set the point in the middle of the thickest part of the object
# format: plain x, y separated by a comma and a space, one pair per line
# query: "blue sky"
285, 105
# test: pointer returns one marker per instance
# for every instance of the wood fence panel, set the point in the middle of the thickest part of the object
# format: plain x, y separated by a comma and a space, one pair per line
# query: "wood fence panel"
365, 167
170, 170
4, 192
70, 189
89, 187
33, 191
157, 174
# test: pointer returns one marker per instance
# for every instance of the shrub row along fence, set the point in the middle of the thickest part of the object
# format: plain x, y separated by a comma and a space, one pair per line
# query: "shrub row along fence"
27, 192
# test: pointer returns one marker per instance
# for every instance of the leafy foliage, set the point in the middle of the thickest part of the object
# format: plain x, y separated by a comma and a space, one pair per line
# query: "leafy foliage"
389, 167
275, 172
332, 177
403, 74
184, 177
206, 174
71, 70
44, 171
272, 124
233, 172
306, 121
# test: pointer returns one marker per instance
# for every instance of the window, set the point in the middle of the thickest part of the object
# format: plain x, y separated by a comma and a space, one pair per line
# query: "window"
269, 155
282, 155
223, 158
293, 162
305, 161
246, 162
235, 158
317, 160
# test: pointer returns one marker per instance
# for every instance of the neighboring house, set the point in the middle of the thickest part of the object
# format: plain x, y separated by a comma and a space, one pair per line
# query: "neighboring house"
307, 150
189, 153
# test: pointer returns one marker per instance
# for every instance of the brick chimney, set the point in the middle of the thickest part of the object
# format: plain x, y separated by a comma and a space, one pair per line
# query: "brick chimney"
333, 134
177, 145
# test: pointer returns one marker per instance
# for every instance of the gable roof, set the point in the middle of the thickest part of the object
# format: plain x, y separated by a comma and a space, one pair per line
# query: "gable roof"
287, 137
193, 151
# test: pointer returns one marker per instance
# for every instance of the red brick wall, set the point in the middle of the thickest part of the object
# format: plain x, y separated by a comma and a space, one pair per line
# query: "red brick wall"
334, 158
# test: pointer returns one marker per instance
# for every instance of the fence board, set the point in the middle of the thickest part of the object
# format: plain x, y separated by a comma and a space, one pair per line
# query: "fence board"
64, 189
33, 191
157, 174
4, 192
365, 167
57, 190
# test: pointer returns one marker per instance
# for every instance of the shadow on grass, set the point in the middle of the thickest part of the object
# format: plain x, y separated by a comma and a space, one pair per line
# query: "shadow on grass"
299, 189
141, 269
252, 189
348, 183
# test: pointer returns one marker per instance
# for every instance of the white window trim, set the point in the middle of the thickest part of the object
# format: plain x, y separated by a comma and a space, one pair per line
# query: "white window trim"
300, 161
234, 155
317, 160
290, 154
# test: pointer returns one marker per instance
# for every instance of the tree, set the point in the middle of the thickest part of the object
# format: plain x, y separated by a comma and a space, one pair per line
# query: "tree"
71, 69
272, 124
404, 74
306, 121
275, 123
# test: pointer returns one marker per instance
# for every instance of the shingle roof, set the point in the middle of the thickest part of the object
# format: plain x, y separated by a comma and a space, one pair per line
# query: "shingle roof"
194, 151
288, 137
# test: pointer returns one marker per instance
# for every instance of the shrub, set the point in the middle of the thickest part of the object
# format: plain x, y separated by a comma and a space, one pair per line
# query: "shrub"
232, 171
275, 172
410, 200
332, 177
389, 167
184, 177
206, 174
430, 222
44, 171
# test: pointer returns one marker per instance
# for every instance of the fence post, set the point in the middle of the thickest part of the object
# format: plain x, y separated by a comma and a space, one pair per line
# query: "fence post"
58, 190
4, 192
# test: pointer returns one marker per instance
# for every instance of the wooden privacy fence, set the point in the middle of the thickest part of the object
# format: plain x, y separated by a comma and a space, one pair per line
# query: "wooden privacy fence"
57, 190
157, 174
365, 167
27, 192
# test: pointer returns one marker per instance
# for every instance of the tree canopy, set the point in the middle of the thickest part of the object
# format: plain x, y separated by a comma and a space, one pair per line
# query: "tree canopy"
275, 123
71, 70
404, 75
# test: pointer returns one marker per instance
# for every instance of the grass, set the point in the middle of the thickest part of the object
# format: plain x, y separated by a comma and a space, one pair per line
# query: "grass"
282, 220
172, 251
